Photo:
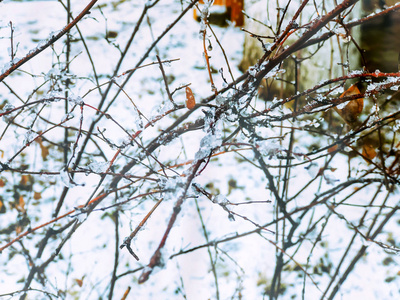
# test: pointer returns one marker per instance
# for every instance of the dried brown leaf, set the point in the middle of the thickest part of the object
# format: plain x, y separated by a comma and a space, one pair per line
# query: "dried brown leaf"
352, 110
190, 100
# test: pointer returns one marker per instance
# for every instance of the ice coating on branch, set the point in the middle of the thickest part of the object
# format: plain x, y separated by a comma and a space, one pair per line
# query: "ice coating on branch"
120, 79
8, 107
67, 116
81, 215
274, 72
207, 145
312, 169
319, 98
52, 96
64, 177
125, 142
396, 125
275, 101
268, 46
268, 148
297, 153
43, 43
9, 65
160, 110
29, 137
375, 109
99, 167
372, 120
374, 87
167, 64
356, 72
393, 80
205, 12
172, 187
330, 179
209, 120
370, 88
220, 199
76, 100
52, 73
138, 121
219, 99
52, 34
310, 123
340, 90
253, 70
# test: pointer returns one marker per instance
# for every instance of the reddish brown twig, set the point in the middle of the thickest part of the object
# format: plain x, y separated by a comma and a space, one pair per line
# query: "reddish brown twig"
52, 40
156, 258
127, 241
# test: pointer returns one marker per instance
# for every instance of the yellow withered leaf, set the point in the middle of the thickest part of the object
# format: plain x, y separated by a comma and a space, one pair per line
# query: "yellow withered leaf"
351, 110
45, 151
18, 229
79, 282
43, 148
24, 180
37, 195
2, 206
190, 101
368, 151
21, 204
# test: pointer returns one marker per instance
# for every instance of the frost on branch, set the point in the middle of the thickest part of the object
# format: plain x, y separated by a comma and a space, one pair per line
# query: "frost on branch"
269, 133
207, 144
67, 180
172, 187
99, 167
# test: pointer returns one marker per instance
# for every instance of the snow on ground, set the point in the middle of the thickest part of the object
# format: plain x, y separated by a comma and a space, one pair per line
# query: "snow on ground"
242, 264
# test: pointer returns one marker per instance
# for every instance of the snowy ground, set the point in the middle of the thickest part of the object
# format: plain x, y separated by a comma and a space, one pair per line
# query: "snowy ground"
244, 266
